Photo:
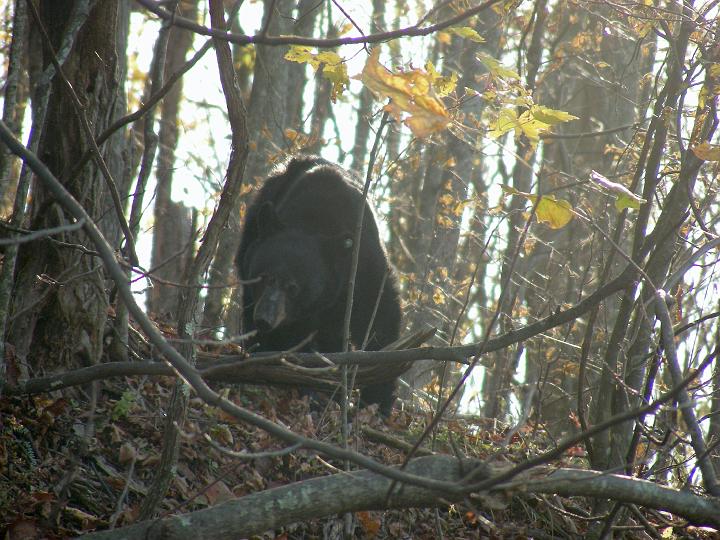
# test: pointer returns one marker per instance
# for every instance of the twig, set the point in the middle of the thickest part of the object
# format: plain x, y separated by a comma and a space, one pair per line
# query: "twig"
266, 23
188, 298
252, 455
147, 106
43, 233
482, 349
121, 499
362, 208
176, 410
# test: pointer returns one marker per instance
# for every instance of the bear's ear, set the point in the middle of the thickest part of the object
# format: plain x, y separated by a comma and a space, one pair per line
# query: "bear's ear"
267, 220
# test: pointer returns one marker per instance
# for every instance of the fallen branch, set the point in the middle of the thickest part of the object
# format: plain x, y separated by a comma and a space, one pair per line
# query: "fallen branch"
365, 490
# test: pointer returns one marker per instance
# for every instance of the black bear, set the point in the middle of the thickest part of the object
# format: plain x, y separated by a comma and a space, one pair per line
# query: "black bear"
294, 258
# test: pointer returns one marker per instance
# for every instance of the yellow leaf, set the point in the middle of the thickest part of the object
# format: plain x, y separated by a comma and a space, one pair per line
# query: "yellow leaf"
550, 116
531, 127
467, 33
446, 199
444, 37
529, 245
299, 53
333, 67
442, 85
328, 57
346, 28
411, 92
707, 151
531, 123
336, 74
555, 212
438, 297
623, 201
460, 208
444, 221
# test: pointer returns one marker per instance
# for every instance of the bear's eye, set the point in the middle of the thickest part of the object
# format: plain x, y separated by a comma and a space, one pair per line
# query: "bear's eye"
292, 289
348, 242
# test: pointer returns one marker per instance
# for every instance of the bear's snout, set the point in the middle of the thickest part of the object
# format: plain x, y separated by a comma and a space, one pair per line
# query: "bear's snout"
269, 310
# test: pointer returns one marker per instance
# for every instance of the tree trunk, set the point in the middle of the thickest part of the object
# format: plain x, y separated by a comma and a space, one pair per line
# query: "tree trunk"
60, 319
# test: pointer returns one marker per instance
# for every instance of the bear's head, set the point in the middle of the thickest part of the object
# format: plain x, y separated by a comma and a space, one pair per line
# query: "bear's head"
290, 273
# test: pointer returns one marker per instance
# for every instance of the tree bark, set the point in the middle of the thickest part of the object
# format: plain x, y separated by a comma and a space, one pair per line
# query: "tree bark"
60, 319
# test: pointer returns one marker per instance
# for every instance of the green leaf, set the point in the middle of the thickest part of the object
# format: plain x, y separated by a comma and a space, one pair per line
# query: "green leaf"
624, 198
123, 406
496, 68
623, 201
506, 121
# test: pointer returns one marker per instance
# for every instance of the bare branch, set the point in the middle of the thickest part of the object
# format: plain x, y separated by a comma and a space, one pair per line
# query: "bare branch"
684, 401
409, 31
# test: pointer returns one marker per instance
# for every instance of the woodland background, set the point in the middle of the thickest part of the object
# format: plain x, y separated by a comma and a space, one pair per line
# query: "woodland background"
546, 178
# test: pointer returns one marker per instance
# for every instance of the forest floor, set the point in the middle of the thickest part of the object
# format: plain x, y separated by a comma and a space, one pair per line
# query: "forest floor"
56, 482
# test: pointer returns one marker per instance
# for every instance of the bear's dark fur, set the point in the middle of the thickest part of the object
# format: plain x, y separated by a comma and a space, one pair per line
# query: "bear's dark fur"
297, 243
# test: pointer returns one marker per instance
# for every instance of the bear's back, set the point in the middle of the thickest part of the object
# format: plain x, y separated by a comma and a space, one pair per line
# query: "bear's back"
315, 195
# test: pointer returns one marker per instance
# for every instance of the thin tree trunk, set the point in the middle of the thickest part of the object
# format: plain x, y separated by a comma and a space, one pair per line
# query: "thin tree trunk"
15, 98
266, 124
450, 170
172, 220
